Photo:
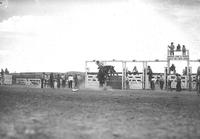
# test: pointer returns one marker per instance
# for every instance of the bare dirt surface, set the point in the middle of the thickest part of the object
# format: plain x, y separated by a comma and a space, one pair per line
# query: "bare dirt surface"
92, 114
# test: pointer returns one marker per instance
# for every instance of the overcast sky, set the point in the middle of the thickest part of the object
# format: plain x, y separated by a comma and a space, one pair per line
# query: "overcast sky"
60, 35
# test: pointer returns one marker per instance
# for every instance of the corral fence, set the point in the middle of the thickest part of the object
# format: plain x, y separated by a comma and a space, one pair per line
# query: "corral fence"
140, 80
34, 79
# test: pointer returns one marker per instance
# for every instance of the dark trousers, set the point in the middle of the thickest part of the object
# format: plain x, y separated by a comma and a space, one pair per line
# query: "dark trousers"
63, 83
161, 85
152, 85
52, 84
178, 86
76, 83
171, 53
58, 83
70, 84
42, 83
169, 85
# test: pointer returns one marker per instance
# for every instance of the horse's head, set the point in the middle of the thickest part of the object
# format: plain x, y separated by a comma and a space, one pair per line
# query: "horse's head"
112, 68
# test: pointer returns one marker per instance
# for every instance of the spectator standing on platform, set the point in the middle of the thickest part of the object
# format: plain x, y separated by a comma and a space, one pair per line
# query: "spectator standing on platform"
184, 50
70, 81
171, 49
161, 82
178, 48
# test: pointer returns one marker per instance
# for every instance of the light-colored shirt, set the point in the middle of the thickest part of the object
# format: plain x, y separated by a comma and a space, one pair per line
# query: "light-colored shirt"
70, 78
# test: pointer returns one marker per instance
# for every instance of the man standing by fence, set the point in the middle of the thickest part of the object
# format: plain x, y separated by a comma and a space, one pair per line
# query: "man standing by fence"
150, 74
178, 80
70, 81
75, 81
58, 80
161, 82
42, 80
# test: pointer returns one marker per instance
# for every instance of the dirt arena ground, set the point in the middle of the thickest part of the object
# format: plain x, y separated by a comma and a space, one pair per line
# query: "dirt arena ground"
94, 114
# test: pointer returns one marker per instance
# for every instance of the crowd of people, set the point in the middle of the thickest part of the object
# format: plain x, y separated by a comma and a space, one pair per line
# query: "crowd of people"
178, 83
160, 80
178, 48
59, 81
53, 80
